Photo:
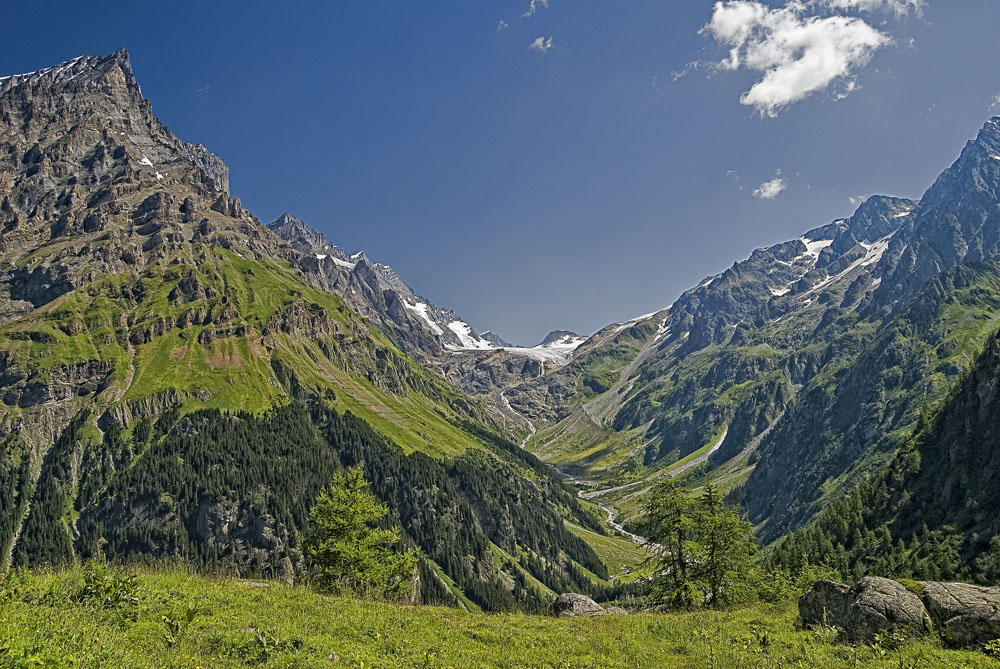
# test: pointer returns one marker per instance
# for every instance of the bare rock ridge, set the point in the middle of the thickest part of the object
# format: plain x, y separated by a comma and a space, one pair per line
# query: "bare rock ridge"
480, 363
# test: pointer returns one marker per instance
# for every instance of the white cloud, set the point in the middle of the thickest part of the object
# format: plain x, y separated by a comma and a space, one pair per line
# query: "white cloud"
858, 199
541, 44
502, 25
798, 48
995, 102
771, 189
534, 7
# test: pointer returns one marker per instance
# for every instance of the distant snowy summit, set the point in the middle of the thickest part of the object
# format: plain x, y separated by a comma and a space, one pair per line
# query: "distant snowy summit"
377, 292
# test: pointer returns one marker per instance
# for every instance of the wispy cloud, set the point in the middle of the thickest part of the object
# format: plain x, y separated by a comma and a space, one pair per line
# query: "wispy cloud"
899, 7
203, 89
541, 44
995, 102
502, 25
534, 7
857, 199
771, 189
799, 48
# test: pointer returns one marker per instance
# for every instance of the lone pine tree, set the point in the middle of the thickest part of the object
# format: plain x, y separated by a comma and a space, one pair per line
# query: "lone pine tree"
348, 551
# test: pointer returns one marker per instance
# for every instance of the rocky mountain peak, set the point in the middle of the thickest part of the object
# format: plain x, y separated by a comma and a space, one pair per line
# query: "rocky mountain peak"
83, 70
973, 176
495, 339
297, 233
559, 335
92, 183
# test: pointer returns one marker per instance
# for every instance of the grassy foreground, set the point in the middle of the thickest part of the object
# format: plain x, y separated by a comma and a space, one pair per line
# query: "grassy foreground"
172, 618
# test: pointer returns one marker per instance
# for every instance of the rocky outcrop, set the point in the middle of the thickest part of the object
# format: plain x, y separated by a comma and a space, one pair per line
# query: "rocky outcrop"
873, 606
211, 164
964, 615
61, 382
572, 605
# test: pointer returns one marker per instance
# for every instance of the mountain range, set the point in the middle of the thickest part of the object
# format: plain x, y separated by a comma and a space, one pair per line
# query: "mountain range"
176, 383
179, 379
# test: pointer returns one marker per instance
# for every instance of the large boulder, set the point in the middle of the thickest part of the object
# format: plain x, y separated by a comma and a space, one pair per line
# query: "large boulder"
572, 605
967, 615
872, 606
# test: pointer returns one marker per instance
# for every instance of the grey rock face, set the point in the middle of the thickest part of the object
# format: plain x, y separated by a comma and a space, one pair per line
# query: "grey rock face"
967, 615
572, 605
214, 167
28, 388
872, 606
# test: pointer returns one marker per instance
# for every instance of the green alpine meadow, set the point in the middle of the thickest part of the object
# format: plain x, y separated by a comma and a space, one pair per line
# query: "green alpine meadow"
232, 442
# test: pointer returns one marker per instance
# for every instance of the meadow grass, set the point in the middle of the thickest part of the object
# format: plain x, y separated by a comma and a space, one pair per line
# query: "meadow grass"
175, 618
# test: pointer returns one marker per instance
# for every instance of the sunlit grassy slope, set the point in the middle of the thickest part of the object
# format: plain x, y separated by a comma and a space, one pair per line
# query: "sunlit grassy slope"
229, 331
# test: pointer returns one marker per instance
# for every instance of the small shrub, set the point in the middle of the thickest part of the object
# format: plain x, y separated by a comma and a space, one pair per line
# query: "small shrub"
106, 588
177, 621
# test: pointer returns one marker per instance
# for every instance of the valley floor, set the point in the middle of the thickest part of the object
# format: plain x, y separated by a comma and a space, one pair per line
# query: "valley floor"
171, 618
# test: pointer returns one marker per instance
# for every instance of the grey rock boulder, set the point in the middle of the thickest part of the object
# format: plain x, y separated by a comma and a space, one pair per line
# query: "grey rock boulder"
967, 615
572, 605
872, 606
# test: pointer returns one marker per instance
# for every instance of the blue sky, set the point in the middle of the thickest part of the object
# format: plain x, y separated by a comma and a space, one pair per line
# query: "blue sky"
568, 184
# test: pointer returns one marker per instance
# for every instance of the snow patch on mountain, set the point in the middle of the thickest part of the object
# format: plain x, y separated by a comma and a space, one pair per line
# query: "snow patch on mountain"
872, 257
420, 309
814, 248
558, 351
875, 251
468, 339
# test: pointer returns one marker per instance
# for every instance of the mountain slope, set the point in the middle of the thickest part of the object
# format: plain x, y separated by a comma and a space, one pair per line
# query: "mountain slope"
795, 374
175, 384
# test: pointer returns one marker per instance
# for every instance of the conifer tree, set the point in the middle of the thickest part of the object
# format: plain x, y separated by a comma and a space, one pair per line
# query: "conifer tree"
724, 559
349, 552
666, 524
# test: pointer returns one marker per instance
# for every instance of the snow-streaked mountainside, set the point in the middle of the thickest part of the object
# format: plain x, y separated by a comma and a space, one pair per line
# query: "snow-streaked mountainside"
793, 374
376, 291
